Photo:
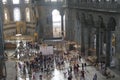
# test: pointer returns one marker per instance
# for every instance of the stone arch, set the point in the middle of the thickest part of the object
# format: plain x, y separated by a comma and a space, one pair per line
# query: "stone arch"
84, 34
83, 18
77, 15
90, 19
92, 33
100, 39
101, 22
110, 48
111, 24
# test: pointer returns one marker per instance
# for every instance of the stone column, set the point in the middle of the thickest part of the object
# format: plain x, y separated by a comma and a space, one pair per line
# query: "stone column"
101, 41
82, 38
62, 26
89, 38
2, 63
108, 47
98, 44
69, 23
1, 29
117, 46
66, 23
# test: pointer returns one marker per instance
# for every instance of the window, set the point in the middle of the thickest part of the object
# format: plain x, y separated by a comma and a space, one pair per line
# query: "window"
6, 19
47, 0
6, 16
27, 14
53, 0
61, 0
4, 1
50, 0
16, 1
27, 1
17, 15
56, 23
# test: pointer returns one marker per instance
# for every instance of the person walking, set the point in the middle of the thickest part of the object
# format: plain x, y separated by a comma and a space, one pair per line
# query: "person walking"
70, 76
82, 66
82, 75
95, 77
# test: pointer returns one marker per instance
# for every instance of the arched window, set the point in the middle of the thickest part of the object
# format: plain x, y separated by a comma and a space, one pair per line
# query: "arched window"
27, 14
16, 1
53, 0
27, 1
56, 23
4, 1
60, 0
17, 15
47, 0
6, 17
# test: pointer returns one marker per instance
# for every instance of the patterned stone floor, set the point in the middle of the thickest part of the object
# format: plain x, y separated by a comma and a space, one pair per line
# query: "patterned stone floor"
57, 74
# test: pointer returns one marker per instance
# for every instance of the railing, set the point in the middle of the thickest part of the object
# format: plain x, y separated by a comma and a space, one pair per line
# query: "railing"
93, 5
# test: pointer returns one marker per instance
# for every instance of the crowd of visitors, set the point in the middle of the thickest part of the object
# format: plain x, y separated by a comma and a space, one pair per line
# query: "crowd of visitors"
39, 63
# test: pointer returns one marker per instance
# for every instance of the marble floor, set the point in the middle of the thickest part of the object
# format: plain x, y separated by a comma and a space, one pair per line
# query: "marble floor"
57, 74
14, 73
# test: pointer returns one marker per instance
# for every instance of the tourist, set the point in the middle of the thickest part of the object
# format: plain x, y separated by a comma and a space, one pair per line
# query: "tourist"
85, 65
82, 66
79, 57
95, 77
70, 76
82, 75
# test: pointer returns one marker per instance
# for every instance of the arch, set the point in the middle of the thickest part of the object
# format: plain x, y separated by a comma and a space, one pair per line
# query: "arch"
77, 16
101, 22
90, 20
111, 24
83, 18
56, 18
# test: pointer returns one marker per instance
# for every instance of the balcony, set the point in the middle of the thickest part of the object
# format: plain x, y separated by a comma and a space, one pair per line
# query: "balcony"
106, 6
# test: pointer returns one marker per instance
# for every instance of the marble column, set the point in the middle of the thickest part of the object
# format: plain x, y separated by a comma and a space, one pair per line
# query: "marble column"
101, 41
82, 38
62, 26
89, 38
69, 23
98, 44
117, 46
2, 62
108, 47
1, 29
